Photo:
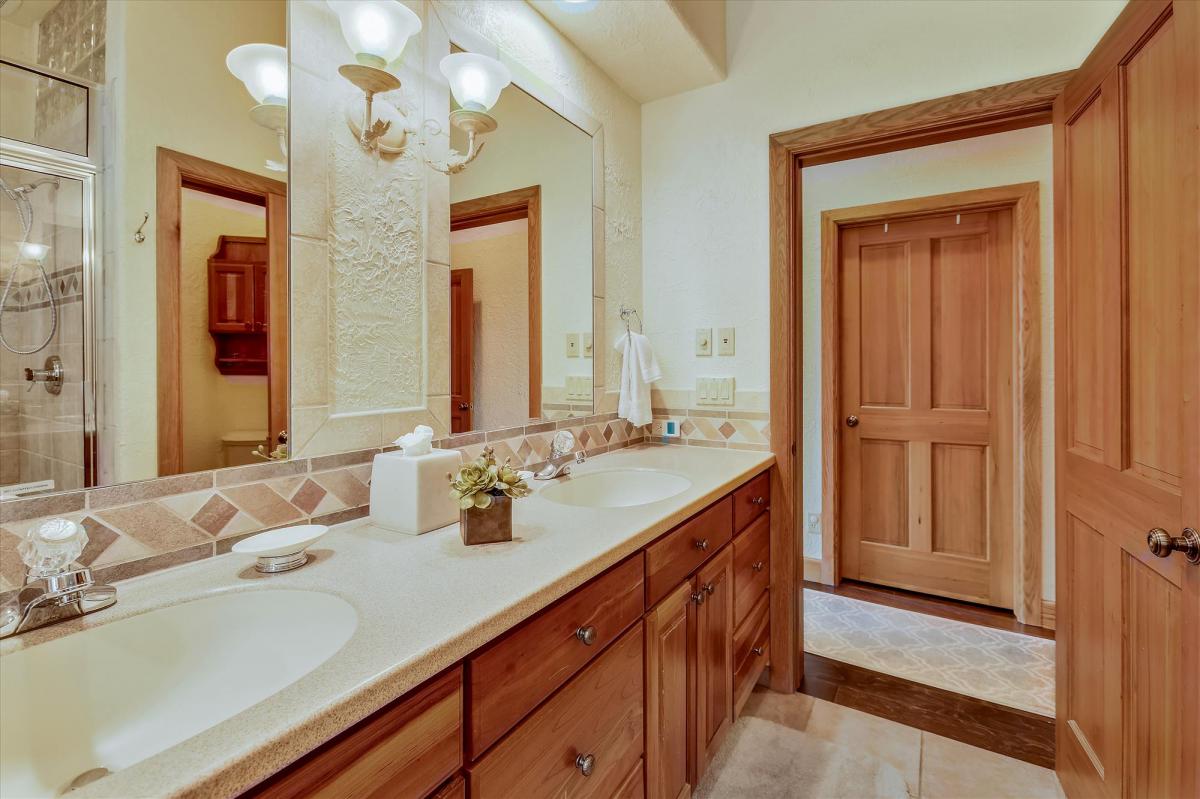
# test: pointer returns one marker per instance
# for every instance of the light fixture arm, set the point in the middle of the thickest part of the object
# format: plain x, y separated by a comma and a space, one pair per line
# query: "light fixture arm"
454, 165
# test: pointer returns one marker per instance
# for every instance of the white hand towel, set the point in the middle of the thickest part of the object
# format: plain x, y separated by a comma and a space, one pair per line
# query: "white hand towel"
639, 368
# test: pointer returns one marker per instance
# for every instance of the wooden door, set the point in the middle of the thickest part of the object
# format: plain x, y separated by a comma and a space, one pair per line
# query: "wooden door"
713, 704
926, 456
462, 333
231, 297
667, 696
1127, 360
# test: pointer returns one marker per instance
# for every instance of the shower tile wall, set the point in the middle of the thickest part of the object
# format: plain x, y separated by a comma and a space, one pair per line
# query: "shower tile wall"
41, 435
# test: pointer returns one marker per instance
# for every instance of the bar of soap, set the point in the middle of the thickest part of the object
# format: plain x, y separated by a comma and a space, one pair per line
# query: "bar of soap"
410, 494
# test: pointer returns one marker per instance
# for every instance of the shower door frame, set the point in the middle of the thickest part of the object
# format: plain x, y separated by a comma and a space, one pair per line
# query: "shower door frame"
35, 158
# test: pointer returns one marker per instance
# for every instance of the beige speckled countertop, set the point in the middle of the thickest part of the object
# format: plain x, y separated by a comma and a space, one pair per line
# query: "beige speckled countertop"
423, 603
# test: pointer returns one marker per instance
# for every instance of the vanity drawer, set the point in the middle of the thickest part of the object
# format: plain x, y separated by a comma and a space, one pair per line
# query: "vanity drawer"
510, 678
751, 651
404, 751
597, 714
670, 559
634, 786
751, 566
751, 500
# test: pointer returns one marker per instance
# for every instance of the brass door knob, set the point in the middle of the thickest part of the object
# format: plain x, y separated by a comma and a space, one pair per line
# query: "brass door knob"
851, 421
1162, 544
587, 635
700, 544
586, 764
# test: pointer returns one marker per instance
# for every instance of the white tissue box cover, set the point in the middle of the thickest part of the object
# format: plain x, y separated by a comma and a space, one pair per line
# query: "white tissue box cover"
410, 494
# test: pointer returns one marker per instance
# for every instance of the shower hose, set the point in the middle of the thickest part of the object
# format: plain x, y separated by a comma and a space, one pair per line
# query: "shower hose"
25, 212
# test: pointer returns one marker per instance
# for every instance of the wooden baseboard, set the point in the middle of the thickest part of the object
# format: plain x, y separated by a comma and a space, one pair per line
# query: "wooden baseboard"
812, 570
1048, 612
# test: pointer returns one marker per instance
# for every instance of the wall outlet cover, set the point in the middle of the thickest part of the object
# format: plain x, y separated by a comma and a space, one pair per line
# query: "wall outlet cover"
572, 345
725, 344
704, 341
664, 428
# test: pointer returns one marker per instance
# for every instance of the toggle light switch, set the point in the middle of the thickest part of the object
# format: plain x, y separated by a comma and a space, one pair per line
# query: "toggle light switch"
704, 341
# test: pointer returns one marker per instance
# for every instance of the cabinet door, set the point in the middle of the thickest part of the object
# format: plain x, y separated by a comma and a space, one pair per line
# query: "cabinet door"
714, 659
667, 696
230, 297
261, 297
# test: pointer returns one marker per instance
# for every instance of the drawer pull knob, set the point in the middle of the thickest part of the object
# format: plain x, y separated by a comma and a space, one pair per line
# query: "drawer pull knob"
587, 635
698, 596
586, 764
758, 650
701, 544
709, 588
760, 501
758, 565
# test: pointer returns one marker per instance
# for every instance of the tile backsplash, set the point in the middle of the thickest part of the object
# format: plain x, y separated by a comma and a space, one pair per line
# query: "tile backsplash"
136, 528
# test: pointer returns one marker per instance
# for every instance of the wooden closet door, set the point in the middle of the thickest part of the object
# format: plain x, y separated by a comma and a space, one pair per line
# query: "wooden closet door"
1127, 332
927, 405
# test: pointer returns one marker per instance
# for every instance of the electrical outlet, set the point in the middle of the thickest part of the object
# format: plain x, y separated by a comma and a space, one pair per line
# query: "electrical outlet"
572, 345
725, 341
704, 341
664, 428
814, 523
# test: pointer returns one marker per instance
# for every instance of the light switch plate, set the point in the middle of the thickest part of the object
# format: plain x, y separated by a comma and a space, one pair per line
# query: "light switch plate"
587, 345
725, 344
704, 341
714, 391
572, 345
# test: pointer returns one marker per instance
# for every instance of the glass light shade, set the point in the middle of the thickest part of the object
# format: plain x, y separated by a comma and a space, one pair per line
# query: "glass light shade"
475, 80
32, 251
263, 68
376, 30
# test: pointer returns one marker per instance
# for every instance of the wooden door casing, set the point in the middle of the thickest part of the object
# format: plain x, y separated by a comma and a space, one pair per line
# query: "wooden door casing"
1128, 413
927, 475
462, 348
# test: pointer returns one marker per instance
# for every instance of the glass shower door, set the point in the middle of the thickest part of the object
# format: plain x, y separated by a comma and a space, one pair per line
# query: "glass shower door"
44, 218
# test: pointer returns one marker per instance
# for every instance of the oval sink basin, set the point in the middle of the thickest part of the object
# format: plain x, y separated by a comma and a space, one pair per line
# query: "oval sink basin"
94, 702
616, 488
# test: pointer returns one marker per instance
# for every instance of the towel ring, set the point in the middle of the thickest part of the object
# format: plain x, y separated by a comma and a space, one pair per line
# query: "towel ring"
627, 312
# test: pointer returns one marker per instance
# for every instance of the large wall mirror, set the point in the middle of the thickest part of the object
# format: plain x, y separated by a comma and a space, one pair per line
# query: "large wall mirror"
143, 239
521, 341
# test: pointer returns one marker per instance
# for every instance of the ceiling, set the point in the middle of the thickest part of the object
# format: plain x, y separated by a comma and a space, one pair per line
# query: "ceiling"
651, 48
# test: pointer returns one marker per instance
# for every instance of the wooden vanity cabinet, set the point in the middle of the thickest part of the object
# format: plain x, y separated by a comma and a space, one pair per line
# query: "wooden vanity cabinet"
713, 708
669, 652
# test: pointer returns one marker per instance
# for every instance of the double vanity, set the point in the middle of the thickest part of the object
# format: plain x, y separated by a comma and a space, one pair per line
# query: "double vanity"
603, 652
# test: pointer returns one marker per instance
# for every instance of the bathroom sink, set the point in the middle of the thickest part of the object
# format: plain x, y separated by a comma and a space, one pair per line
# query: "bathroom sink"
94, 702
616, 488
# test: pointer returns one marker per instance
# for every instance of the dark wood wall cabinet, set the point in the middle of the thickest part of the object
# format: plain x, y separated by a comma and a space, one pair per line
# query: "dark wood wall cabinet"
625, 687
238, 304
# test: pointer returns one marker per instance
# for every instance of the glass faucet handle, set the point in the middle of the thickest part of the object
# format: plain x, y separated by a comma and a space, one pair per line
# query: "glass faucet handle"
52, 546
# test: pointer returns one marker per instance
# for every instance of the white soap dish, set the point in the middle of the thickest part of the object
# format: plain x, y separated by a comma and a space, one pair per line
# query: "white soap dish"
283, 549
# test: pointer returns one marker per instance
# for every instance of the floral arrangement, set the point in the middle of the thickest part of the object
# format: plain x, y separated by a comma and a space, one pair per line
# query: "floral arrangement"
481, 479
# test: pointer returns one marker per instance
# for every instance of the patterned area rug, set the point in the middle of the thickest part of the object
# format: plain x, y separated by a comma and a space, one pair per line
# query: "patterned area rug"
996, 665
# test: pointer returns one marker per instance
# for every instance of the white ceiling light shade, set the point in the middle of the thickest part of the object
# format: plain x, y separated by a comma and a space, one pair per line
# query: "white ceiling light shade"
376, 30
263, 70
475, 80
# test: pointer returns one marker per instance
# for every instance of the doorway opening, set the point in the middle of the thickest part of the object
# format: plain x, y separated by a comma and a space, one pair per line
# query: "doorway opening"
222, 289
495, 304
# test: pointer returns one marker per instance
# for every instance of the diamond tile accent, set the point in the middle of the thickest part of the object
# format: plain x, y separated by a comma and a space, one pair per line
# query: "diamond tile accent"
308, 496
214, 515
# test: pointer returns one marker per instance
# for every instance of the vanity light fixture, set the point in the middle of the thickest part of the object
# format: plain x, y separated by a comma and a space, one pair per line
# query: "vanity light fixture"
262, 68
476, 82
376, 31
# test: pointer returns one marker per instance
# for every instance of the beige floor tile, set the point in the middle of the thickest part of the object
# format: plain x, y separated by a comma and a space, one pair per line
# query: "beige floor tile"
954, 770
790, 710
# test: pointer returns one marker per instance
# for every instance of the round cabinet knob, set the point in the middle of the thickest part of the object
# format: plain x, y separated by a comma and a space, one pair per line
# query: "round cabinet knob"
701, 544
709, 588
586, 764
851, 421
758, 566
698, 596
758, 650
1162, 543
587, 635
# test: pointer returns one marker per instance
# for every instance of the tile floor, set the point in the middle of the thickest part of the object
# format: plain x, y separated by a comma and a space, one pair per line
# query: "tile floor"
934, 767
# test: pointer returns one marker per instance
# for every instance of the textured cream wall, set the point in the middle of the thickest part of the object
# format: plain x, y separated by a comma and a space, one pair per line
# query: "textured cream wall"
168, 87
499, 270
537, 147
213, 404
1018, 156
793, 64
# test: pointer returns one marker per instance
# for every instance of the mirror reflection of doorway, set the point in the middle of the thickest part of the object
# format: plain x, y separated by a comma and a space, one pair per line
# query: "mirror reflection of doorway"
223, 320
495, 309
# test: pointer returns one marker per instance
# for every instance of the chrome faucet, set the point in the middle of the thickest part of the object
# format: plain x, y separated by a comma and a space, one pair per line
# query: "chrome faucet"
53, 591
561, 445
